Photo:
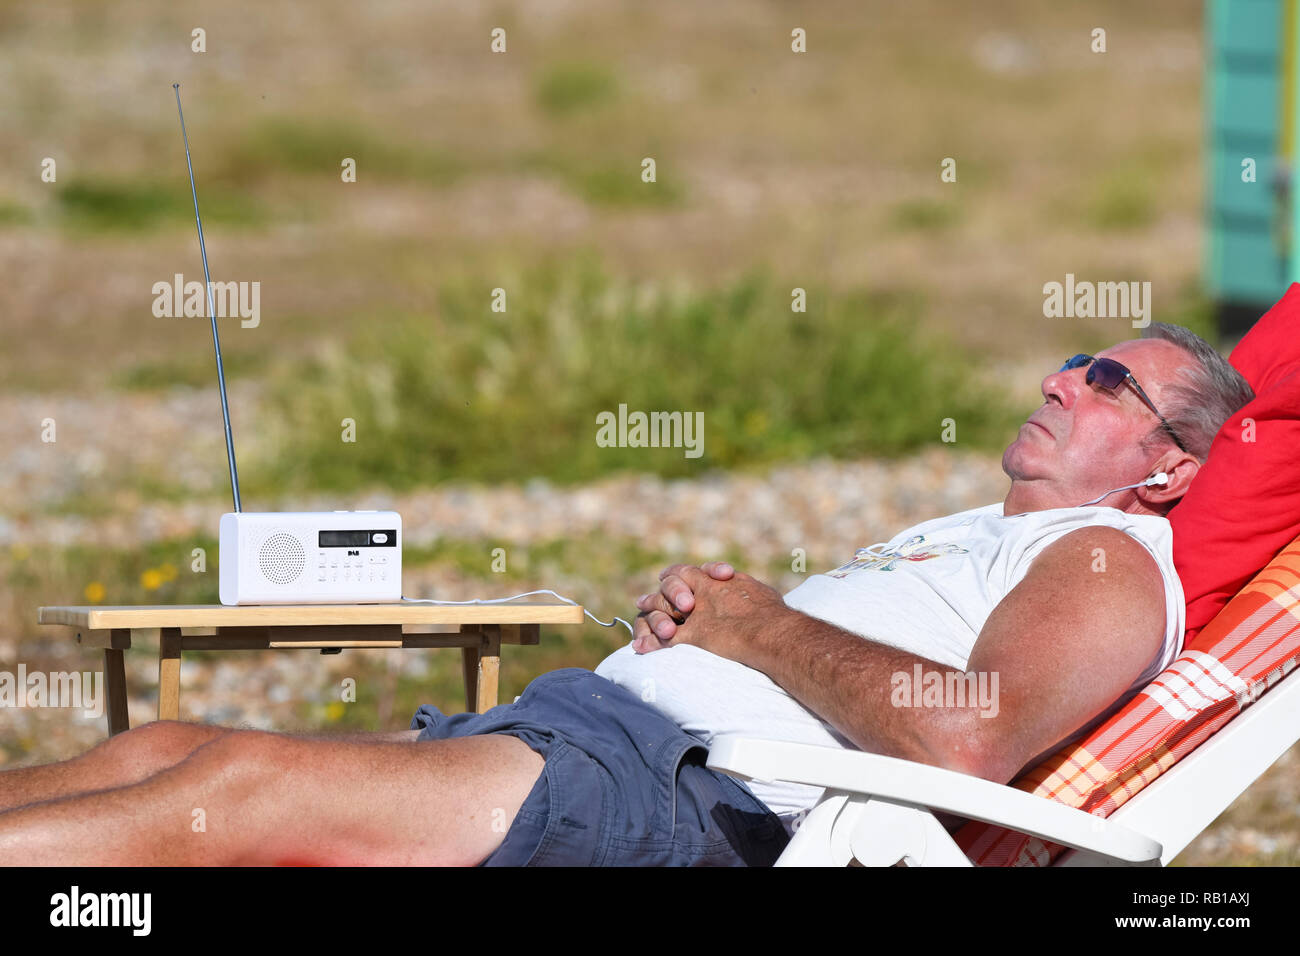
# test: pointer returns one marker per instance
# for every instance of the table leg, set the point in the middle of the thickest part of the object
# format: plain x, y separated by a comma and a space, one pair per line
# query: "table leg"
115, 681
169, 673
489, 667
481, 665
469, 667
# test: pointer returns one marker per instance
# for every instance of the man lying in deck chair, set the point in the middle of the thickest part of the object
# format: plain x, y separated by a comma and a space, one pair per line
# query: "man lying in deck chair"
1058, 609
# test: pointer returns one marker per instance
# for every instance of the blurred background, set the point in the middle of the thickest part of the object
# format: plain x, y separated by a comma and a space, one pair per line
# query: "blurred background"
522, 170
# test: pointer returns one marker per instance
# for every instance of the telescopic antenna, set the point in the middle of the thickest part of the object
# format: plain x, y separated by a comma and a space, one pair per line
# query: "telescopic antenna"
212, 311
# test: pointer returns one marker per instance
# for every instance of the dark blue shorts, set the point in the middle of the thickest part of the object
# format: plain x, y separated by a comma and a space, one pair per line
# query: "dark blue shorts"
623, 784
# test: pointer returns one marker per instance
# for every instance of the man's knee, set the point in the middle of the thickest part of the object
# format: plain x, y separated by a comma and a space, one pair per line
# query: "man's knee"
231, 769
243, 754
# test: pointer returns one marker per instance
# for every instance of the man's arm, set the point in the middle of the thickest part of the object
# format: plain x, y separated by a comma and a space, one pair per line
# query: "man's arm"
1065, 643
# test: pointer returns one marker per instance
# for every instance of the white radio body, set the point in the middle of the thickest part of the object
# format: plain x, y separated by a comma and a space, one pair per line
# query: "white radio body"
310, 557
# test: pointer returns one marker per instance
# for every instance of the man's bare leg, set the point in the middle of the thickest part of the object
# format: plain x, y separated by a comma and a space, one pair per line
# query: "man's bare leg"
125, 759
271, 798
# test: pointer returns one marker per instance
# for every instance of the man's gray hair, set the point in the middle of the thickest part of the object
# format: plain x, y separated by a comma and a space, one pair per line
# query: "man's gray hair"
1210, 391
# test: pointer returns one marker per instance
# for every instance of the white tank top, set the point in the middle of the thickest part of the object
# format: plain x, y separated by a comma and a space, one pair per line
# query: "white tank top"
928, 591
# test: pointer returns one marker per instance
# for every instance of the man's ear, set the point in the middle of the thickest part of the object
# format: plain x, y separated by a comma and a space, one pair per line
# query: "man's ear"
1180, 468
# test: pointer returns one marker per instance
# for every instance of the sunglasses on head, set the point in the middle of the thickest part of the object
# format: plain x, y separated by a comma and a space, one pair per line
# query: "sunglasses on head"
1111, 374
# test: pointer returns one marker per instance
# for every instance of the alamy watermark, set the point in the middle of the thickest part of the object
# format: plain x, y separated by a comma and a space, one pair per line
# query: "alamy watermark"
922, 688
84, 689
181, 299
75, 908
651, 430
1100, 300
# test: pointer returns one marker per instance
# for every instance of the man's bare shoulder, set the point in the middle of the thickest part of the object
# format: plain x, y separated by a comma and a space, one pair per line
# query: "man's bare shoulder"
1099, 574
1070, 638
1103, 549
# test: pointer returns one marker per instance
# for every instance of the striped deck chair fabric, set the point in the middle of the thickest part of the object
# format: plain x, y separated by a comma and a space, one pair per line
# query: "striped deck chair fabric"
1252, 644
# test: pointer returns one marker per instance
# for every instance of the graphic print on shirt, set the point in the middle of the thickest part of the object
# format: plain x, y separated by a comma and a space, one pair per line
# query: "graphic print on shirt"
913, 549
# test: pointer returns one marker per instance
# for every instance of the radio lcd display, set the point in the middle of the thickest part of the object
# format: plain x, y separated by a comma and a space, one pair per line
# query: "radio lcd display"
357, 539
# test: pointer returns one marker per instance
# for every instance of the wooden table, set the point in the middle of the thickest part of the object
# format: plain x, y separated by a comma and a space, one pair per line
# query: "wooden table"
478, 630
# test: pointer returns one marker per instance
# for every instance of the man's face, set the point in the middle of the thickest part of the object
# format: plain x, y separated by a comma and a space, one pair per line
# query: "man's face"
1084, 439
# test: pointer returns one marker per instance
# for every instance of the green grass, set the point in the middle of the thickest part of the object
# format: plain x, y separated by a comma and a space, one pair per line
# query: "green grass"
275, 151
610, 181
14, 214
279, 145
924, 215
197, 371
104, 205
1122, 201
102, 497
566, 88
615, 184
469, 393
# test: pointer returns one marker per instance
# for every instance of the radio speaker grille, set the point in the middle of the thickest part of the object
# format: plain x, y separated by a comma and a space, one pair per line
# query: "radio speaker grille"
282, 558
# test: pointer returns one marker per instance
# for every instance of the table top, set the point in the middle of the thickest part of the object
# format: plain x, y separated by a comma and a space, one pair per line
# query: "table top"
101, 617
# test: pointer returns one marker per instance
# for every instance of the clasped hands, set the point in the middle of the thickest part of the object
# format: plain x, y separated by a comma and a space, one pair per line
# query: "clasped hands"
712, 606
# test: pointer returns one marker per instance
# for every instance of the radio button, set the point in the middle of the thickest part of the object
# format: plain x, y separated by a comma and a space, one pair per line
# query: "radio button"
379, 537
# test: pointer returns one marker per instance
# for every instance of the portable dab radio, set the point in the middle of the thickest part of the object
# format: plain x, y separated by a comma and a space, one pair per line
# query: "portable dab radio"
307, 557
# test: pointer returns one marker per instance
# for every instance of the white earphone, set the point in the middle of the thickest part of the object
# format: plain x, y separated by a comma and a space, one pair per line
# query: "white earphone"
1159, 478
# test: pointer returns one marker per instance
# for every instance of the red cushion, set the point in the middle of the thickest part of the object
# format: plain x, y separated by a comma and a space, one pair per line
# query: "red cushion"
1270, 351
1244, 505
